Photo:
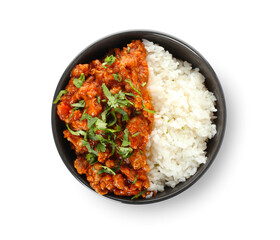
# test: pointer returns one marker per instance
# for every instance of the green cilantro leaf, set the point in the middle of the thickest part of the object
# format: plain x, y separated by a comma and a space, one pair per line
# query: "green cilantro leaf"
130, 94
114, 119
92, 135
124, 151
87, 145
122, 100
123, 113
101, 147
110, 59
73, 110
61, 92
131, 85
125, 141
136, 134
104, 114
119, 166
139, 194
136, 90
91, 158
112, 101
118, 129
106, 170
91, 120
135, 179
78, 82
113, 150
100, 125
116, 100
80, 104
148, 110
117, 77
76, 133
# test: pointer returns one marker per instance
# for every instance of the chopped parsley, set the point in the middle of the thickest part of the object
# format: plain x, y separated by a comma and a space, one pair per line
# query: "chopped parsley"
78, 82
61, 92
128, 49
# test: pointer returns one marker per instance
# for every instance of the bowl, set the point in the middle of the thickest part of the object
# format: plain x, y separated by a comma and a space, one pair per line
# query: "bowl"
180, 50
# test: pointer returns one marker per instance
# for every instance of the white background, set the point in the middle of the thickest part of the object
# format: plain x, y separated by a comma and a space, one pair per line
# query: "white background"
237, 198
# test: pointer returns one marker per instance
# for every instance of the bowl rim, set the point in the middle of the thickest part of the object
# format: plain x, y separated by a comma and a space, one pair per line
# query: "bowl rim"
193, 178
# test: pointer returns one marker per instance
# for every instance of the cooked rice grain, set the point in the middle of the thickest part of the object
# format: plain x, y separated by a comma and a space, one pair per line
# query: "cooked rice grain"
183, 120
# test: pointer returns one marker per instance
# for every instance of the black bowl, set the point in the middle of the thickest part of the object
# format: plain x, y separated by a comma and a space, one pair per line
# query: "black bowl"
180, 50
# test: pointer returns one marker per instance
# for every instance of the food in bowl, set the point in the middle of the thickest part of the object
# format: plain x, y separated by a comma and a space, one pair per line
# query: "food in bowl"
138, 120
183, 122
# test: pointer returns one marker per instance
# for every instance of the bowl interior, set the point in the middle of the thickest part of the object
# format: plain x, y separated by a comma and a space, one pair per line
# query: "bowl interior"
179, 50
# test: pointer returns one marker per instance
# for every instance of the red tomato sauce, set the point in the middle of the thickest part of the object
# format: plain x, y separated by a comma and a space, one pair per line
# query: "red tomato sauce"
109, 129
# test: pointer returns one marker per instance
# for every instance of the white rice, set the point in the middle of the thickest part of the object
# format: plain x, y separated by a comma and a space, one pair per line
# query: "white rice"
183, 120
